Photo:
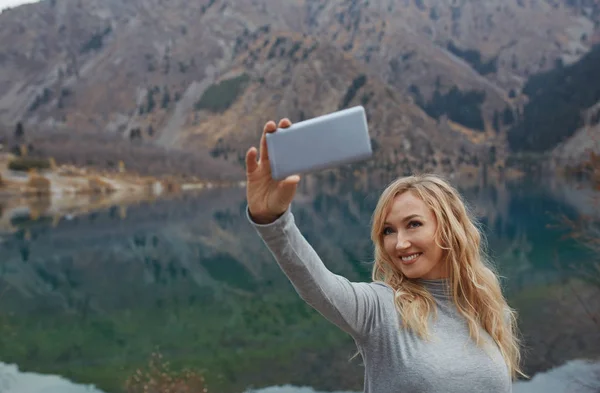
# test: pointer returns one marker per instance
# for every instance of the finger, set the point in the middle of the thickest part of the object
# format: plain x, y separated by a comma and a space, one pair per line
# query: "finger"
270, 126
251, 163
284, 123
264, 152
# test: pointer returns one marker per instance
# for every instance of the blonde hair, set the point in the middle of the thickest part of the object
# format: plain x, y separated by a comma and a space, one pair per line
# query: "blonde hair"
475, 287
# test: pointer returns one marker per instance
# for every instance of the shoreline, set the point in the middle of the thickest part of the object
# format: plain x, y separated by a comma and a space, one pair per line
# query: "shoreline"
66, 191
579, 374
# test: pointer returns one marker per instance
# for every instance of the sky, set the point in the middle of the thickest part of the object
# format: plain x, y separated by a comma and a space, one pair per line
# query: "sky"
12, 3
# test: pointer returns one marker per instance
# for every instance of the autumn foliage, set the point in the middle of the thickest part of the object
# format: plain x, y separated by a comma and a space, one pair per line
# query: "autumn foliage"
157, 377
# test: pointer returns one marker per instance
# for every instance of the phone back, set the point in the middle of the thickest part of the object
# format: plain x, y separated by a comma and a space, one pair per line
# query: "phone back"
319, 143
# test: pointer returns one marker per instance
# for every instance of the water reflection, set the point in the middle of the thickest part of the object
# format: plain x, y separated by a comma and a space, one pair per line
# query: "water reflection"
92, 296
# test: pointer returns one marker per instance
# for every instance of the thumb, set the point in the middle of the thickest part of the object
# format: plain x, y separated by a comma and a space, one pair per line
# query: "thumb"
288, 187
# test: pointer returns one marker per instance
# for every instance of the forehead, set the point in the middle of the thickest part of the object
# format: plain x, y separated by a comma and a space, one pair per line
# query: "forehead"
407, 204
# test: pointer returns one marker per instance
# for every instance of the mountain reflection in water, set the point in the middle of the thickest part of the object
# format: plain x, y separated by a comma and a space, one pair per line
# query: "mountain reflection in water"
89, 298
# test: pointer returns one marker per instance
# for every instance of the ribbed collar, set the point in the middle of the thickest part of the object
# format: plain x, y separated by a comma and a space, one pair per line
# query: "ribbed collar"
439, 288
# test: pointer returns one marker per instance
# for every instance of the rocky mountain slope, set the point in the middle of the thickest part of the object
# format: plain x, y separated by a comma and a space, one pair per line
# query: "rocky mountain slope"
436, 77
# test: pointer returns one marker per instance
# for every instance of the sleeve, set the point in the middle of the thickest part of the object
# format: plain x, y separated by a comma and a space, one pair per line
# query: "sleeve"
350, 306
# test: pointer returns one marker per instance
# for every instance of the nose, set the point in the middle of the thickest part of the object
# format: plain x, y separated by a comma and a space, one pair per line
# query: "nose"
402, 243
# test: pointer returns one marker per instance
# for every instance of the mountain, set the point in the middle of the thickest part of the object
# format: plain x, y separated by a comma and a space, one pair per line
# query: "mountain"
205, 76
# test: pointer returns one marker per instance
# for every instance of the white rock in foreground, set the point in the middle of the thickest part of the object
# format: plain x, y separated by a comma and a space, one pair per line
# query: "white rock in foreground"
14, 381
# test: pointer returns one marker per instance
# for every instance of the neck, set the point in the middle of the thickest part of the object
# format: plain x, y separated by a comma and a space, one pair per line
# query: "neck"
438, 287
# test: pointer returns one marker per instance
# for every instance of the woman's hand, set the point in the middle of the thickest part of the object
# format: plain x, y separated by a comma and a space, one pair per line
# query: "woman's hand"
267, 198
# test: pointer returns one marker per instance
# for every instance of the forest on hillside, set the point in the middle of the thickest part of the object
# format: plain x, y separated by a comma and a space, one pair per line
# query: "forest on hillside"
557, 100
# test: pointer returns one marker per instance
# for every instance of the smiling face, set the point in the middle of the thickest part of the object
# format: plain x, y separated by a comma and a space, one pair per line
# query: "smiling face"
409, 238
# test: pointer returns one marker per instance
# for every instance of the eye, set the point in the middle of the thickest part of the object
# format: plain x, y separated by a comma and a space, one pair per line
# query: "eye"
387, 231
414, 224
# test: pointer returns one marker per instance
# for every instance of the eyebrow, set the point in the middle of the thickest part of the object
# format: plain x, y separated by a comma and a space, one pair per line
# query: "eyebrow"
407, 218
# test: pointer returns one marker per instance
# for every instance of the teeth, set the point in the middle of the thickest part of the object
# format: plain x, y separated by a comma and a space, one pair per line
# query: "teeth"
410, 257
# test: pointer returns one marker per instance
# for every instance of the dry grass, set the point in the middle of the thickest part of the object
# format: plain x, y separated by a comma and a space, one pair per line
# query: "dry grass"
157, 377
100, 186
170, 185
37, 185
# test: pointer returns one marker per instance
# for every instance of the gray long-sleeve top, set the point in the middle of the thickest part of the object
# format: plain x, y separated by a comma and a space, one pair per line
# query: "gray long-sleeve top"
395, 359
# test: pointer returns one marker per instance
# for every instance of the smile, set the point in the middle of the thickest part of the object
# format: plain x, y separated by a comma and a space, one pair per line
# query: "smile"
411, 258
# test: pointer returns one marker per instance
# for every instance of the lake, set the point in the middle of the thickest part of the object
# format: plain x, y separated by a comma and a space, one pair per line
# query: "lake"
92, 297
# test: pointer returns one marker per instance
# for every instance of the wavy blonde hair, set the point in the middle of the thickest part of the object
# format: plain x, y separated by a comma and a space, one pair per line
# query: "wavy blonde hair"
474, 284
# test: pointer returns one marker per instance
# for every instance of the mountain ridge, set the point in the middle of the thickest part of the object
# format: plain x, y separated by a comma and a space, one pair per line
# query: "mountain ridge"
138, 69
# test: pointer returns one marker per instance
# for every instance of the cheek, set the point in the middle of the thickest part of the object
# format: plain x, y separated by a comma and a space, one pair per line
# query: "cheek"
388, 244
432, 239
435, 248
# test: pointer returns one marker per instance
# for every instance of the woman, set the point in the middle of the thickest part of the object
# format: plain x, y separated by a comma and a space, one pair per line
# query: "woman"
434, 318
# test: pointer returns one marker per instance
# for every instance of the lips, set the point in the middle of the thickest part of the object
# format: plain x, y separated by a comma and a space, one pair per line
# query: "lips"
411, 258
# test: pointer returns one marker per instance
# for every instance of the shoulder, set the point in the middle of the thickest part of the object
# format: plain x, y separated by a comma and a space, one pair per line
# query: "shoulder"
380, 285
386, 305
381, 288
374, 290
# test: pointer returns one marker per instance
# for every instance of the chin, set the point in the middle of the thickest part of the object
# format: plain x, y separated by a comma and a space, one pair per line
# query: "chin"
413, 275
414, 272
410, 273
418, 270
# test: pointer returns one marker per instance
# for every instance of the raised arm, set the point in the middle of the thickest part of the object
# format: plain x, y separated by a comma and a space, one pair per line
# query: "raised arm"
353, 307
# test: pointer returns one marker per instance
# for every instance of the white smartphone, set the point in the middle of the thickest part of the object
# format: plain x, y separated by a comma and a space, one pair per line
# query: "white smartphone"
322, 142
